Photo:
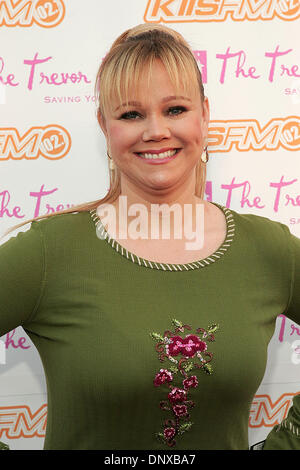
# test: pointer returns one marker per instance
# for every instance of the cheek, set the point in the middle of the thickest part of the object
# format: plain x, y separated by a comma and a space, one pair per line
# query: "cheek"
121, 137
115, 134
194, 132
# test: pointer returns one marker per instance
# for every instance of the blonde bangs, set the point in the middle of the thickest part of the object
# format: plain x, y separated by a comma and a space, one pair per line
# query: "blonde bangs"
123, 71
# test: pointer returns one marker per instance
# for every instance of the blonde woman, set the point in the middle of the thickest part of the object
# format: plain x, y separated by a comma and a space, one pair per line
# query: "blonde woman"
147, 344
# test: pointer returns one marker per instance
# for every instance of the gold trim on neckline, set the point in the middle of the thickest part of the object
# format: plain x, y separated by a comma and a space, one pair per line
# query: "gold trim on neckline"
202, 263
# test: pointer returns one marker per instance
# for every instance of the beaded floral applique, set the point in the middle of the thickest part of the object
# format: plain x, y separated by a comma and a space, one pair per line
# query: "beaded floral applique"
186, 353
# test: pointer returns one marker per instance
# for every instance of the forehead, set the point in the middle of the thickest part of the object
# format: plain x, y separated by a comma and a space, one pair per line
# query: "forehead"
151, 84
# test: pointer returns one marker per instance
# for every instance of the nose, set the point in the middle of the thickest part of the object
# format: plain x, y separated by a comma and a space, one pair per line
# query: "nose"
156, 128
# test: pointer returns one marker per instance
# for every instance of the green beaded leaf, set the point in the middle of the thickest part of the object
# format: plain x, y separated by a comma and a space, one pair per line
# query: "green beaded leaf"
173, 369
212, 328
177, 323
184, 427
157, 337
160, 436
207, 368
187, 366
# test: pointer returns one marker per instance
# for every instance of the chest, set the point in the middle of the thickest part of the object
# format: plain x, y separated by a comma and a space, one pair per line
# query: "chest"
175, 251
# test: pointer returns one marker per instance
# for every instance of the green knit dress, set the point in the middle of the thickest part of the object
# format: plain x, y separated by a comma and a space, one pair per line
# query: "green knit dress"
145, 355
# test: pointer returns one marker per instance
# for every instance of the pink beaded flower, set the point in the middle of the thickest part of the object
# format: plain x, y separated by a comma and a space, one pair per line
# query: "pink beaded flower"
177, 395
185, 354
163, 376
187, 346
190, 382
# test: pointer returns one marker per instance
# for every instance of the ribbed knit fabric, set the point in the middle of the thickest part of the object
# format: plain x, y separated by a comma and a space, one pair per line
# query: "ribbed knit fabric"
89, 308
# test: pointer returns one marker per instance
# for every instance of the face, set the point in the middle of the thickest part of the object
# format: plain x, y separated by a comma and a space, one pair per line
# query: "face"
156, 123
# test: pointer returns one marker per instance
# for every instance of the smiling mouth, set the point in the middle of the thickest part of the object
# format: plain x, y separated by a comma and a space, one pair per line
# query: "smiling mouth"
159, 156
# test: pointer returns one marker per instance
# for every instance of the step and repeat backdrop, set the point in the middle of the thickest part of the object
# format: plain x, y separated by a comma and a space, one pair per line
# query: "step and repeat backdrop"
53, 154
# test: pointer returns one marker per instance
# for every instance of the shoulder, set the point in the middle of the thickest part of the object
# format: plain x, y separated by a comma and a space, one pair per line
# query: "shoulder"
60, 227
264, 237
257, 225
61, 223
66, 235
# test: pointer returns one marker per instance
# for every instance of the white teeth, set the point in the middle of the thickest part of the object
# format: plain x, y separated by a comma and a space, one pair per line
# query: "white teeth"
167, 154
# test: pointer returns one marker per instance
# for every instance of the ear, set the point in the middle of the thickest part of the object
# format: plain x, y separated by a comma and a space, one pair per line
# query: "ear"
205, 114
101, 121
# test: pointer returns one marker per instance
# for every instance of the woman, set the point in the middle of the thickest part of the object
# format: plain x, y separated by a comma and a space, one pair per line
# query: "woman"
147, 344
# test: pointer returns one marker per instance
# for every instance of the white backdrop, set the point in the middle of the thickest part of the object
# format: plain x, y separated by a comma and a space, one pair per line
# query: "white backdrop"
53, 155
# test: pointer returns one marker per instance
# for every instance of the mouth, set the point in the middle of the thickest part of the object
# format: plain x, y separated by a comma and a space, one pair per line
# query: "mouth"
157, 158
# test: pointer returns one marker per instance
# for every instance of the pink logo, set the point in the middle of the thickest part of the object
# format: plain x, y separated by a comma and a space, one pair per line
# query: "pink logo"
17, 343
201, 58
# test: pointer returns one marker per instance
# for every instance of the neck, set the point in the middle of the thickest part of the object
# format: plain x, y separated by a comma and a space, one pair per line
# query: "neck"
177, 195
177, 209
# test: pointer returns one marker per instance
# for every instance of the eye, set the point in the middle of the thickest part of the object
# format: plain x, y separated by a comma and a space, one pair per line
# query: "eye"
181, 109
133, 115
129, 115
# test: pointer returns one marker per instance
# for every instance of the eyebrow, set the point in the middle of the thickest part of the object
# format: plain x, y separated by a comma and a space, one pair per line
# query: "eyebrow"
164, 100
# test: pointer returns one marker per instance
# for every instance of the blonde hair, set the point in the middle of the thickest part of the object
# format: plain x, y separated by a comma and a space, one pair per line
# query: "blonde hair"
131, 54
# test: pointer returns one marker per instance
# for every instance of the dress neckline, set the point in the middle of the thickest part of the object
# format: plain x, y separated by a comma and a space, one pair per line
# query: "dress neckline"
143, 262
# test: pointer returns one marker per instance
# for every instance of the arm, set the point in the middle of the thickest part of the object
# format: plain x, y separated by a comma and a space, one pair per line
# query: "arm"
293, 308
286, 435
21, 278
21, 275
4, 446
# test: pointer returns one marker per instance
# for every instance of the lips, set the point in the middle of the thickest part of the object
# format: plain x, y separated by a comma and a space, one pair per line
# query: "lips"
156, 152
166, 156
